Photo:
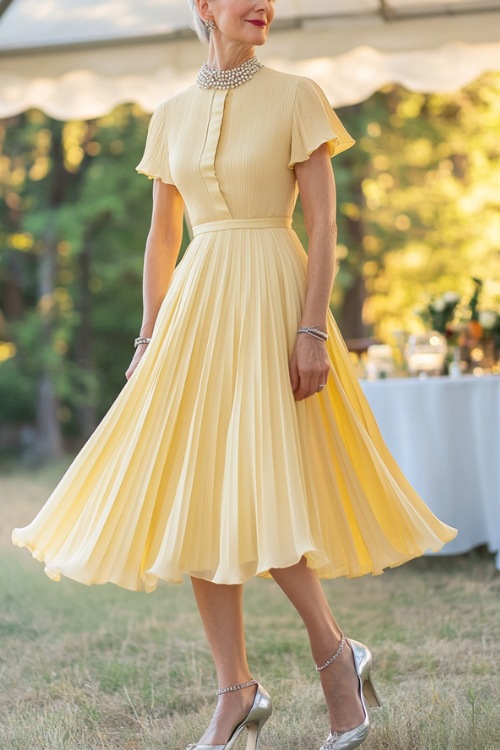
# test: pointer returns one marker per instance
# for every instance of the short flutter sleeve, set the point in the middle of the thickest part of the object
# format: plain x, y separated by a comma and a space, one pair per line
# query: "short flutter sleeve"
155, 162
315, 123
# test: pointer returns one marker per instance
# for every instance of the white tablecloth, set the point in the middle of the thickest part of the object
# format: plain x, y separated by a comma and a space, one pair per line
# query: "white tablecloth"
445, 435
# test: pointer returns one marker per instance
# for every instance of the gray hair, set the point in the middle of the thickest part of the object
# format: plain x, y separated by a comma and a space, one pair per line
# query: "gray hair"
198, 23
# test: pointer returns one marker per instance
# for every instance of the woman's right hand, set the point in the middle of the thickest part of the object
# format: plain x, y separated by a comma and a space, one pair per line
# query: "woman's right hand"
135, 360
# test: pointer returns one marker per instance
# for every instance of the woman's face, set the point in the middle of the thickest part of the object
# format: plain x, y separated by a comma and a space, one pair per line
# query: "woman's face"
246, 21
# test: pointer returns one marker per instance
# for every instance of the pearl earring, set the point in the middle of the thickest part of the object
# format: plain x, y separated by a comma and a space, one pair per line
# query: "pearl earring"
209, 25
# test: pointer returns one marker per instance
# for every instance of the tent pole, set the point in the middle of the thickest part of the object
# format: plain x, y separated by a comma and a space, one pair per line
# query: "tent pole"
4, 4
388, 12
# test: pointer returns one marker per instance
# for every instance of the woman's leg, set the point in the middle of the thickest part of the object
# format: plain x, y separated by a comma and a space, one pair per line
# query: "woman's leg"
339, 681
221, 610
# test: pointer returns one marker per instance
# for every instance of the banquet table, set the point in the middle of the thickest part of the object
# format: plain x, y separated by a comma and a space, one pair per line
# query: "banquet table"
445, 435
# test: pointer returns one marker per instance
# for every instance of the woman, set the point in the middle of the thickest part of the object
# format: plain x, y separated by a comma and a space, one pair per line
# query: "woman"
242, 444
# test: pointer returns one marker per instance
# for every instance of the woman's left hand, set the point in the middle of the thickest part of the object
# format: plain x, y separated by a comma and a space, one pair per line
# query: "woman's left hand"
309, 367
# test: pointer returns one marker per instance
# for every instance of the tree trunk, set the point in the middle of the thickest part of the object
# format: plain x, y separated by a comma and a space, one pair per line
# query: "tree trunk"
84, 354
64, 183
49, 444
352, 311
351, 316
13, 302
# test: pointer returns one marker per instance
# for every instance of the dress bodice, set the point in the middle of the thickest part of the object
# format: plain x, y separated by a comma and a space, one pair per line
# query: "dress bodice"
231, 153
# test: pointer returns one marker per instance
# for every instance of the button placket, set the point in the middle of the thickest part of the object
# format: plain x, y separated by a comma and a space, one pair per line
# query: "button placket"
208, 156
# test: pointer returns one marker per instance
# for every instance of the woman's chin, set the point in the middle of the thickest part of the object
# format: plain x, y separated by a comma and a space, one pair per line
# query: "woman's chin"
257, 35
259, 40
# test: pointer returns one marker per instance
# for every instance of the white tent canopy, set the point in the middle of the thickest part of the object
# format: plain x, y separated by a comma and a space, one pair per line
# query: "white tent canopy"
80, 58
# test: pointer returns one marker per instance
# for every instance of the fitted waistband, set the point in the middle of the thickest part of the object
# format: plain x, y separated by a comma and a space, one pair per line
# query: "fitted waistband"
271, 222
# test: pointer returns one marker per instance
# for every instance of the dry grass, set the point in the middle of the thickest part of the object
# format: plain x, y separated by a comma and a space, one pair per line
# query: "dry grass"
103, 669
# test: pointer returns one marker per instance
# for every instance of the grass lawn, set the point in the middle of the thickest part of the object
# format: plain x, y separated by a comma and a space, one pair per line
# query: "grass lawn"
101, 668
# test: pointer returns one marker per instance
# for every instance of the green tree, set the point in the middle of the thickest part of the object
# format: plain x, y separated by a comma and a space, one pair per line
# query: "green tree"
75, 219
430, 183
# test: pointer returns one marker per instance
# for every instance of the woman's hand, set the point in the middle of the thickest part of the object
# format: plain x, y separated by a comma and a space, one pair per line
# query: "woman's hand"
309, 366
135, 360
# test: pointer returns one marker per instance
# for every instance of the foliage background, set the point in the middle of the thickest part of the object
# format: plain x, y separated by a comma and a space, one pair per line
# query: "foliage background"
419, 201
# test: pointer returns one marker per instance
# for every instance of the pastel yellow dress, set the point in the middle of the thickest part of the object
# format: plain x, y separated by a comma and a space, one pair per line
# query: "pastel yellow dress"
205, 464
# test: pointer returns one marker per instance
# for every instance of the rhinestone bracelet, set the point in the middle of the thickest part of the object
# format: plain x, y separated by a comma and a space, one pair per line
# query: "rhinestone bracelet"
316, 332
141, 340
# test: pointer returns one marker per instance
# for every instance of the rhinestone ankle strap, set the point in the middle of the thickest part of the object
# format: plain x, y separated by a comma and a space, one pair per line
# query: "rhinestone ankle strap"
232, 688
334, 657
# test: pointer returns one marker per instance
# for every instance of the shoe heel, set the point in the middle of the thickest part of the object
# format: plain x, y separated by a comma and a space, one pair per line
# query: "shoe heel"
253, 736
370, 693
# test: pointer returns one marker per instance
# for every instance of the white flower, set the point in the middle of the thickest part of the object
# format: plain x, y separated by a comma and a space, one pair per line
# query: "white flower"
451, 298
488, 318
438, 304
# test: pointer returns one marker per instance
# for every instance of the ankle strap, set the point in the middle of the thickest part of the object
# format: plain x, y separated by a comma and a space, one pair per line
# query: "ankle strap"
232, 688
334, 657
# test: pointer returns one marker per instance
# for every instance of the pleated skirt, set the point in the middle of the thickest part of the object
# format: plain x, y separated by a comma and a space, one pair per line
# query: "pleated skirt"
205, 465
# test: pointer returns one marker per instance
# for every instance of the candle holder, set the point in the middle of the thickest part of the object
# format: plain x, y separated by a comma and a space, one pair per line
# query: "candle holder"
426, 353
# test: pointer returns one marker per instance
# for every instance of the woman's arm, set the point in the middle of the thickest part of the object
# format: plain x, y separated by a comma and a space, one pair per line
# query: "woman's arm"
162, 248
309, 364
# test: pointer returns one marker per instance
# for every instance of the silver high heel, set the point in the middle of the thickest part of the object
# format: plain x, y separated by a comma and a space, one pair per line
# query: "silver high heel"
367, 694
260, 712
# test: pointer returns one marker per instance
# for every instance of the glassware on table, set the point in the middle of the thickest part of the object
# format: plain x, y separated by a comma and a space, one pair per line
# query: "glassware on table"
400, 340
379, 362
454, 364
426, 353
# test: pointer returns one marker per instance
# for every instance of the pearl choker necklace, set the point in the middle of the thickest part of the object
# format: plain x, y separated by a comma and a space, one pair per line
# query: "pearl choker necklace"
211, 78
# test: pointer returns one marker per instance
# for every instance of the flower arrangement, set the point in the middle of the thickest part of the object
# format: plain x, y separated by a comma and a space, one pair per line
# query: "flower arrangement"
440, 311
487, 322
474, 300
473, 331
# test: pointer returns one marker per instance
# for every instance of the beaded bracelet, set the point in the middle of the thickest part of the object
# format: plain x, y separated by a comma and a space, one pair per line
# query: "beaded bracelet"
141, 340
317, 333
